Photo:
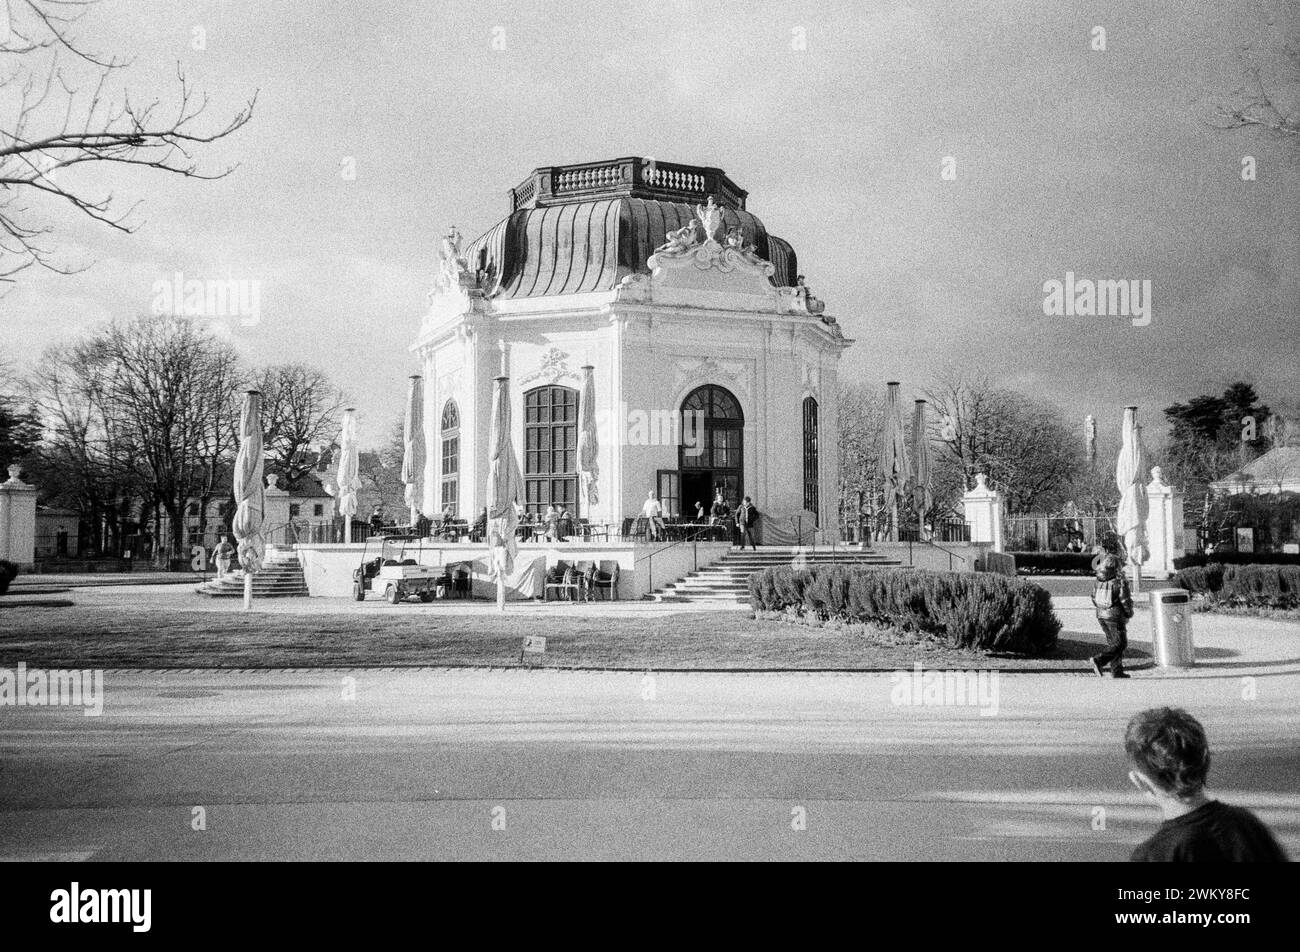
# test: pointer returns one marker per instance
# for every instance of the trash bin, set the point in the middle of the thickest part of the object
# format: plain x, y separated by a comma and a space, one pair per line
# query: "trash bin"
1171, 627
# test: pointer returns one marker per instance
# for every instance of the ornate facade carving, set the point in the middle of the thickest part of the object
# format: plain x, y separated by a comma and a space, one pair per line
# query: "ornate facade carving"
735, 375
811, 379
685, 249
552, 368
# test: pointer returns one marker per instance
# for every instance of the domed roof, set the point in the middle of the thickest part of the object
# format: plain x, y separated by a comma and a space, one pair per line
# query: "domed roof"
580, 228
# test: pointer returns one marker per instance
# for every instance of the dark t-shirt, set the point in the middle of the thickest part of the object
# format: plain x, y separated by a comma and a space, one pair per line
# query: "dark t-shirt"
1213, 833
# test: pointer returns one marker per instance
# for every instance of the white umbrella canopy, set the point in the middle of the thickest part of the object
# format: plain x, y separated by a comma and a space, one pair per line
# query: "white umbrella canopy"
922, 480
588, 440
893, 457
349, 480
1131, 519
504, 486
250, 492
413, 451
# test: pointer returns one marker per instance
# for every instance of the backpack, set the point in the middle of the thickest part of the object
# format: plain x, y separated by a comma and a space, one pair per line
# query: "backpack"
1107, 597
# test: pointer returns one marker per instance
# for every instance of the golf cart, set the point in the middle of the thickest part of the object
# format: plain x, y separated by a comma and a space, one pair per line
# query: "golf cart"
394, 572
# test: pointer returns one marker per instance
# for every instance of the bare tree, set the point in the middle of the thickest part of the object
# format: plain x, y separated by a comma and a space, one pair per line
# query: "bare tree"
861, 428
1024, 445
67, 109
171, 395
300, 413
1259, 103
84, 462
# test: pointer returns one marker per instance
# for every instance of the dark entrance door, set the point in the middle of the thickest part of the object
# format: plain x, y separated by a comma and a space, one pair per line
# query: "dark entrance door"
697, 486
712, 454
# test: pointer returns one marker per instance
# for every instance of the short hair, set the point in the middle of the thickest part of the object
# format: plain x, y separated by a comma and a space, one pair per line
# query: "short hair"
1169, 746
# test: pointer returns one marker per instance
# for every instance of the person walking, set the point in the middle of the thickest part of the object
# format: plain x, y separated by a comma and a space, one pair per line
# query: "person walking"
1114, 604
746, 517
222, 553
1169, 761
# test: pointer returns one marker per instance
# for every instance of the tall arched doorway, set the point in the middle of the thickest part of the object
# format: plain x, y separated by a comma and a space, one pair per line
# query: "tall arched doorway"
551, 449
712, 451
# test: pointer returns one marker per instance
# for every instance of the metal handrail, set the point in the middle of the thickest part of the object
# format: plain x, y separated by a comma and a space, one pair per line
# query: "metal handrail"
951, 554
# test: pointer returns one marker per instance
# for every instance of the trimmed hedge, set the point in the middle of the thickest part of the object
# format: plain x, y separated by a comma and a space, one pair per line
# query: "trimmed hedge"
8, 572
1251, 586
1236, 558
1053, 563
981, 611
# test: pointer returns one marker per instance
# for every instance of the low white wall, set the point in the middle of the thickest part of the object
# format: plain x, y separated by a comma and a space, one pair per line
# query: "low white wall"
642, 568
942, 556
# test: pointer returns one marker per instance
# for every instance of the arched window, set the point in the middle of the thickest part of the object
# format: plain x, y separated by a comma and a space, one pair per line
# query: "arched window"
449, 434
551, 449
810, 482
711, 455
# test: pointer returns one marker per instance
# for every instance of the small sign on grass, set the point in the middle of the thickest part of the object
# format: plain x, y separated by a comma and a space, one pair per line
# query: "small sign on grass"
533, 644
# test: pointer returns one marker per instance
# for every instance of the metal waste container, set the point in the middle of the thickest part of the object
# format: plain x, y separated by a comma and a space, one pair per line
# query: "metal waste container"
1171, 627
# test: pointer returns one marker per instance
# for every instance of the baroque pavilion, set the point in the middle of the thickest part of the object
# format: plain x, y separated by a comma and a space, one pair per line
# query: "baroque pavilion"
714, 366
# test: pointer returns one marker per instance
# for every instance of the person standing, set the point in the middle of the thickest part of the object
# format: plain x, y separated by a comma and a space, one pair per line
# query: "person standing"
1114, 603
746, 517
551, 519
1169, 761
654, 514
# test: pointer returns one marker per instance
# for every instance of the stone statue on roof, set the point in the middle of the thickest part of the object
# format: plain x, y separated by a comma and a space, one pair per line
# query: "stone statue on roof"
710, 218
451, 265
679, 240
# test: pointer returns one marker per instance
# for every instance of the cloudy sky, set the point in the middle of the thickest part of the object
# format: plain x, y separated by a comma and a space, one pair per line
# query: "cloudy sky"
835, 116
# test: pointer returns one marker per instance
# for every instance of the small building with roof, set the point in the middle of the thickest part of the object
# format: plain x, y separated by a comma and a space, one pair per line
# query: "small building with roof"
715, 367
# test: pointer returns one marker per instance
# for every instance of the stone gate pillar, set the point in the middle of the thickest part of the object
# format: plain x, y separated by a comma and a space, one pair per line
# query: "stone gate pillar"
277, 510
983, 506
18, 521
1164, 526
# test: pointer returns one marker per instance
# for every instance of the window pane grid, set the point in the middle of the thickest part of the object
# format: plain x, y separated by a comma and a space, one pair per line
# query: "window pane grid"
550, 444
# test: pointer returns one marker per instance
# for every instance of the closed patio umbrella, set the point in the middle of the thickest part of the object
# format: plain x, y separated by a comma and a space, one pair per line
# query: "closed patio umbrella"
893, 458
349, 480
1131, 519
413, 452
588, 440
504, 486
922, 482
250, 493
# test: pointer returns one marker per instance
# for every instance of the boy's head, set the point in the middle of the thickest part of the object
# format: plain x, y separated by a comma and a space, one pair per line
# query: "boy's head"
1168, 752
1108, 568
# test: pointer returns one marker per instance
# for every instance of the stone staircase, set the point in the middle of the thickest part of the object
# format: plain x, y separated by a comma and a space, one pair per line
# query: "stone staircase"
281, 576
727, 580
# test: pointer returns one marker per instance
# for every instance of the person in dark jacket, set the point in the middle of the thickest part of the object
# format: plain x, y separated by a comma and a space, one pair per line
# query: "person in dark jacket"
1169, 761
746, 517
1113, 600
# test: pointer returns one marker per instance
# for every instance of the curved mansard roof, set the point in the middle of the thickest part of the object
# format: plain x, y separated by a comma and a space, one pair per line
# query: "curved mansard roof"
574, 229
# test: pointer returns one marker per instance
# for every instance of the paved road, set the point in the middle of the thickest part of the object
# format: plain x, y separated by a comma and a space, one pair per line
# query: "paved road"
615, 766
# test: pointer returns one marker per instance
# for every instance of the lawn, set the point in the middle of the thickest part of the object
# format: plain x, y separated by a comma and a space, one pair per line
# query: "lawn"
89, 637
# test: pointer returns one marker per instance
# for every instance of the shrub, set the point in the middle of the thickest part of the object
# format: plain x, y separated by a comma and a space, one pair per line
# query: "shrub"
980, 611
1250, 586
8, 572
1236, 558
